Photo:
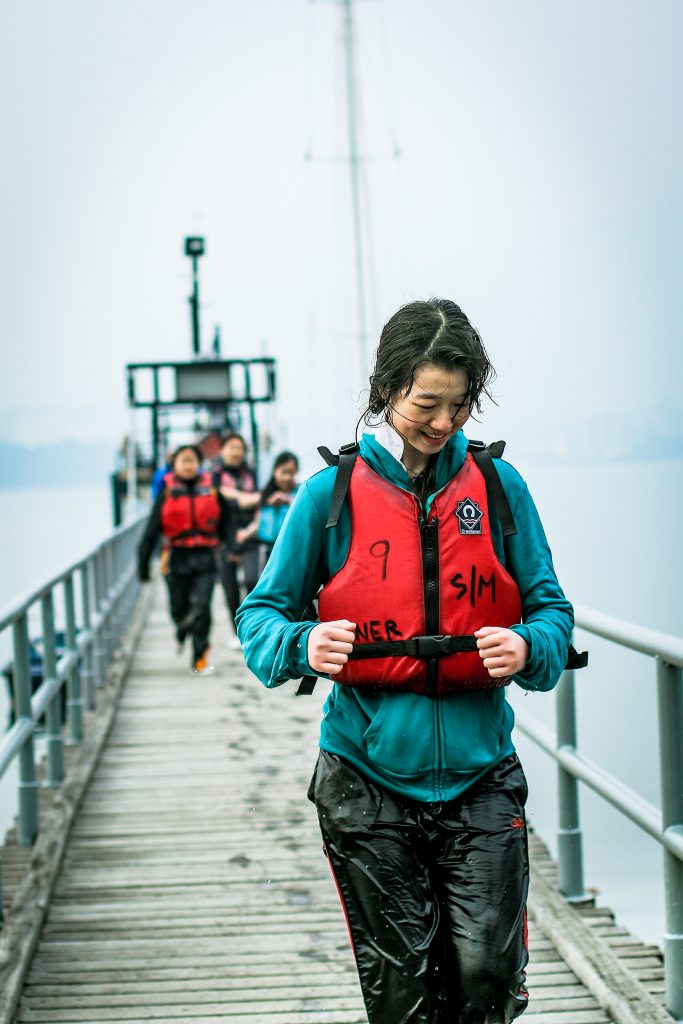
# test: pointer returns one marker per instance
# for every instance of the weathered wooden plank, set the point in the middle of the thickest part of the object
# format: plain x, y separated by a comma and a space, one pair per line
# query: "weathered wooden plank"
310, 1016
305, 1015
218, 960
228, 975
358, 1017
564, 986
73, 1008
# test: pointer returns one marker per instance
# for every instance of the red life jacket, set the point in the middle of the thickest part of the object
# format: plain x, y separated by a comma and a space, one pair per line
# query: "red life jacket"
190, 516
420, 586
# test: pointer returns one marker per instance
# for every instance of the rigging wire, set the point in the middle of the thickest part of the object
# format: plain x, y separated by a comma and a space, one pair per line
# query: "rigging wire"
402, 249
357, 67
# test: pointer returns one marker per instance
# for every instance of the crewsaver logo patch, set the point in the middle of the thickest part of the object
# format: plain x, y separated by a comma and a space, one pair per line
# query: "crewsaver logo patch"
469, 516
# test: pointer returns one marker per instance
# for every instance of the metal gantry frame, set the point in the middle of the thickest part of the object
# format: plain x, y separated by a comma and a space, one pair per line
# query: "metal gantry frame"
94, 625
665, 825
242, 392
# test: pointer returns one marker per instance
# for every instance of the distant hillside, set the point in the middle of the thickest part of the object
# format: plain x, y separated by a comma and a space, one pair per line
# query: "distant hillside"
62, 464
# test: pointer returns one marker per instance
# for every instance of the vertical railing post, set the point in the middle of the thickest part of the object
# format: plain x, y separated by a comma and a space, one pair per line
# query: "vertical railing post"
28, 787
569, 840
108, 592
100, 651
134, 586
87, 672
124, 565
103, 603
121, 603
670, 709
74, 701
53, 714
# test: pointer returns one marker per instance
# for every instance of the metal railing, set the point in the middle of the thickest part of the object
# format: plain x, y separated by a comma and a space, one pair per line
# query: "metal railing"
665, 825
95, 598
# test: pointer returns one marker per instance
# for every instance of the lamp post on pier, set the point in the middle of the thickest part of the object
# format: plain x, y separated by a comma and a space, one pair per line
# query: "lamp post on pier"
194, 248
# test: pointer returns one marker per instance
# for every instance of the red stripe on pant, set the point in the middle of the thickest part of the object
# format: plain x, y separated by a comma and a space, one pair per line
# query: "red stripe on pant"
341, 900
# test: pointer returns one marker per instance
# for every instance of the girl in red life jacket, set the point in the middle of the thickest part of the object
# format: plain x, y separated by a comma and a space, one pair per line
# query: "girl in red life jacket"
237, 484
434, 592
193, 519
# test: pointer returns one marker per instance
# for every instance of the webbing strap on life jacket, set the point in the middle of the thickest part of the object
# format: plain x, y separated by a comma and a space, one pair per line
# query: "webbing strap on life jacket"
576, 659
427, 647
306, 686
484, 455
194, 532
345, 462
416, 647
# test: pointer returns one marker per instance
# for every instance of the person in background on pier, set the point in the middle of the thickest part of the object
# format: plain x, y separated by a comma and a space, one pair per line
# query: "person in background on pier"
237, 484
160, 474
438, 590
192, 518
276, 499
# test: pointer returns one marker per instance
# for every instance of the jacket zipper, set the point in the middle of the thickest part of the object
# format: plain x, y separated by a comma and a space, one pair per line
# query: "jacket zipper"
429, 539
193, 518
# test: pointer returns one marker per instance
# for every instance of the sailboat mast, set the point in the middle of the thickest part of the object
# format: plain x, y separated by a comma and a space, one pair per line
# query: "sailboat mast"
354, 160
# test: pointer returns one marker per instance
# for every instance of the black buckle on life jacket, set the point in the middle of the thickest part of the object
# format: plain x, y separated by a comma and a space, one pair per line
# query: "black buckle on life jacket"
432, 646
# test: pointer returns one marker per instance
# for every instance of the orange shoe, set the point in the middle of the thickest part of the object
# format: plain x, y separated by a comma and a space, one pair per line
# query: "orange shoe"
202, 666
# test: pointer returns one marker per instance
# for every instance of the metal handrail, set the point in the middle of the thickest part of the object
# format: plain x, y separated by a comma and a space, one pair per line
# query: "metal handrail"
108, 594
631, 635
665, 825
9, 614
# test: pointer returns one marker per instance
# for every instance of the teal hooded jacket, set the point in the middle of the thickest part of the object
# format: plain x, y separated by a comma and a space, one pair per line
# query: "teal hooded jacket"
424, 748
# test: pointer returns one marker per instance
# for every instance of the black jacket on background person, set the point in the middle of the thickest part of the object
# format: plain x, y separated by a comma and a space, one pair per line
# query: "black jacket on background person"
182, 559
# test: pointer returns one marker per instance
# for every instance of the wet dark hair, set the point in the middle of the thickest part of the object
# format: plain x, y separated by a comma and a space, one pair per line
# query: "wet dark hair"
187, 448
272, 486
233, 437
435, 331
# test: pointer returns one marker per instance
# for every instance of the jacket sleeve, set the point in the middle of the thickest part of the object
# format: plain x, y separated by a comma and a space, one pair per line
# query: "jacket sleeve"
150, 538
548, 617
270, 623
228, 521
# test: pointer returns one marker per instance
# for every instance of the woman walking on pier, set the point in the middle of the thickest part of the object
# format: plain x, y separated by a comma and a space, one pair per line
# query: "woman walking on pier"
192, 518
276, 500
237, 484
438, 590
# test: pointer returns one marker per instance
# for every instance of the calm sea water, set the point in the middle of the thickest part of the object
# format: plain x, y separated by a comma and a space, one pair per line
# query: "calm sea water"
42, 531
614, 534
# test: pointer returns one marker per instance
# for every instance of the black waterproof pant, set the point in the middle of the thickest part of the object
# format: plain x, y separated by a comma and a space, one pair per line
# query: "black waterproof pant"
190, 582
250, 558
434, 894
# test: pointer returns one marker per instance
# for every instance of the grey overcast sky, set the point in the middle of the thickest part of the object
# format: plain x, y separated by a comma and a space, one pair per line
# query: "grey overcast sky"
539, 186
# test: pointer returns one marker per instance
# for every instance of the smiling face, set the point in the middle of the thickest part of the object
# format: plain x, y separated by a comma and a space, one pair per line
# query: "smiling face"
435, 408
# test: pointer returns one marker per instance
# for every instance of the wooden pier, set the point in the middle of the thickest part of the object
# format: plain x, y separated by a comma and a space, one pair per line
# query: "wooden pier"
193, 886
